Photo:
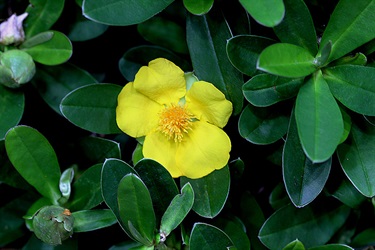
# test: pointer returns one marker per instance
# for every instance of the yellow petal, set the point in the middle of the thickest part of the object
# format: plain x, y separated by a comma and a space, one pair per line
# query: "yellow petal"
205, 149
157, 147
162, 81
136, 114
208, 103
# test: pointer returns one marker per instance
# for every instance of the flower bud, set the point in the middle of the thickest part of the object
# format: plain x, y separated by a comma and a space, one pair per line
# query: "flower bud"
11, 31
16, 68
53, 224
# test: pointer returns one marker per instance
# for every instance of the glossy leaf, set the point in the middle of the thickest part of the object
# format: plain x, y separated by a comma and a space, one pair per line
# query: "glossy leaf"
198, 7
297, 26
165, 33
313, 227
42, 15
54, 83
356, 157
36, 161
55, 51
243, 52
122, 12
135, 207
319, 120
93, 107
160, 184
262, 125
137, 57
84, 29
236, 231
113, 171
98, 149
86, 191
349, 27
265, 89
303, 179
295, 245
208, 55
210, 197
287, 60
12, 103
177, 210
205, 236
353, 86
332, 247
37, 39
348, 194
268, 12
89, 220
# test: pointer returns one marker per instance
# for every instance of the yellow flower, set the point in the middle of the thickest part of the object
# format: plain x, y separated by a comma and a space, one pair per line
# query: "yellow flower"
182, 123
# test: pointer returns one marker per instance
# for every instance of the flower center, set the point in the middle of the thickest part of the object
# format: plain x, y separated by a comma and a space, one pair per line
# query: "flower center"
174, 122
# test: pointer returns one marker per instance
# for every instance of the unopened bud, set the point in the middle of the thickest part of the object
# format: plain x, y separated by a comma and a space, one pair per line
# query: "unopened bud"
11, 31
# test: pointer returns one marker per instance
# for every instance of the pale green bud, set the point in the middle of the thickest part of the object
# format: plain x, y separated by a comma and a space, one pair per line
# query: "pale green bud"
11, 30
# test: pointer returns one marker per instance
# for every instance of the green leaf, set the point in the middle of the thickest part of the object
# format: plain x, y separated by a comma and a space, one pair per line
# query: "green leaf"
243, 52
262, 125
162, 189
206, 38
198, 7
303, 179
165, 33
86, 191
12, 104
93, 107
311, 226
364, 238
89, 220
319, 120
122, 12
211, 192
324, 55
205, 236
265, 89
84, 29
137, 57
98, 149
332, 247
236, 231
37, 39
295, 245
267, 12
113, 171
55, 51
353, 59
349, 27
287, 60
177, 210
356, 157
136, 210
36, 161
54, 83
42, 15
297, 26
353, 86
348, 194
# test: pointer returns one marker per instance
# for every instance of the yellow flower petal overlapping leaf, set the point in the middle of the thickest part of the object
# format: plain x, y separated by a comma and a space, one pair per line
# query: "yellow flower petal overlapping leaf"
182, 128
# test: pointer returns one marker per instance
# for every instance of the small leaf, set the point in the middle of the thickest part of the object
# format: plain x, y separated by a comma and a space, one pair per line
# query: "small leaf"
36, 161
122, 12
323, 57
348, 194
205, 236
236, 231
364, 238
356, 59
177, 210
93, 107
84, 29
332, 247
198, 7
65, 183
97, 149
210, 196
319, 120
287, 60
267, 12
89, 220
295, 245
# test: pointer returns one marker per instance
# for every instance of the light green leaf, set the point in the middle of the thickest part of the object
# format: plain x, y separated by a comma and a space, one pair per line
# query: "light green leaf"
267, 12
205, 236
287, 60
37, 39
349, 27
89, 220
295, 245
319, 120
198, 7
122, 12
36, 161
93, 107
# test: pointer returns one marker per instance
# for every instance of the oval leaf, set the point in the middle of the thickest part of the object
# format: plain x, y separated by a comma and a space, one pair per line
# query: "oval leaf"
267, 12
122, 12
205, 236
84, 29
136, 210
97, 149
319, 120
287, 60
198, 7
93, 107
211, 192
348, 194
36, 161
90, 220
356, 157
